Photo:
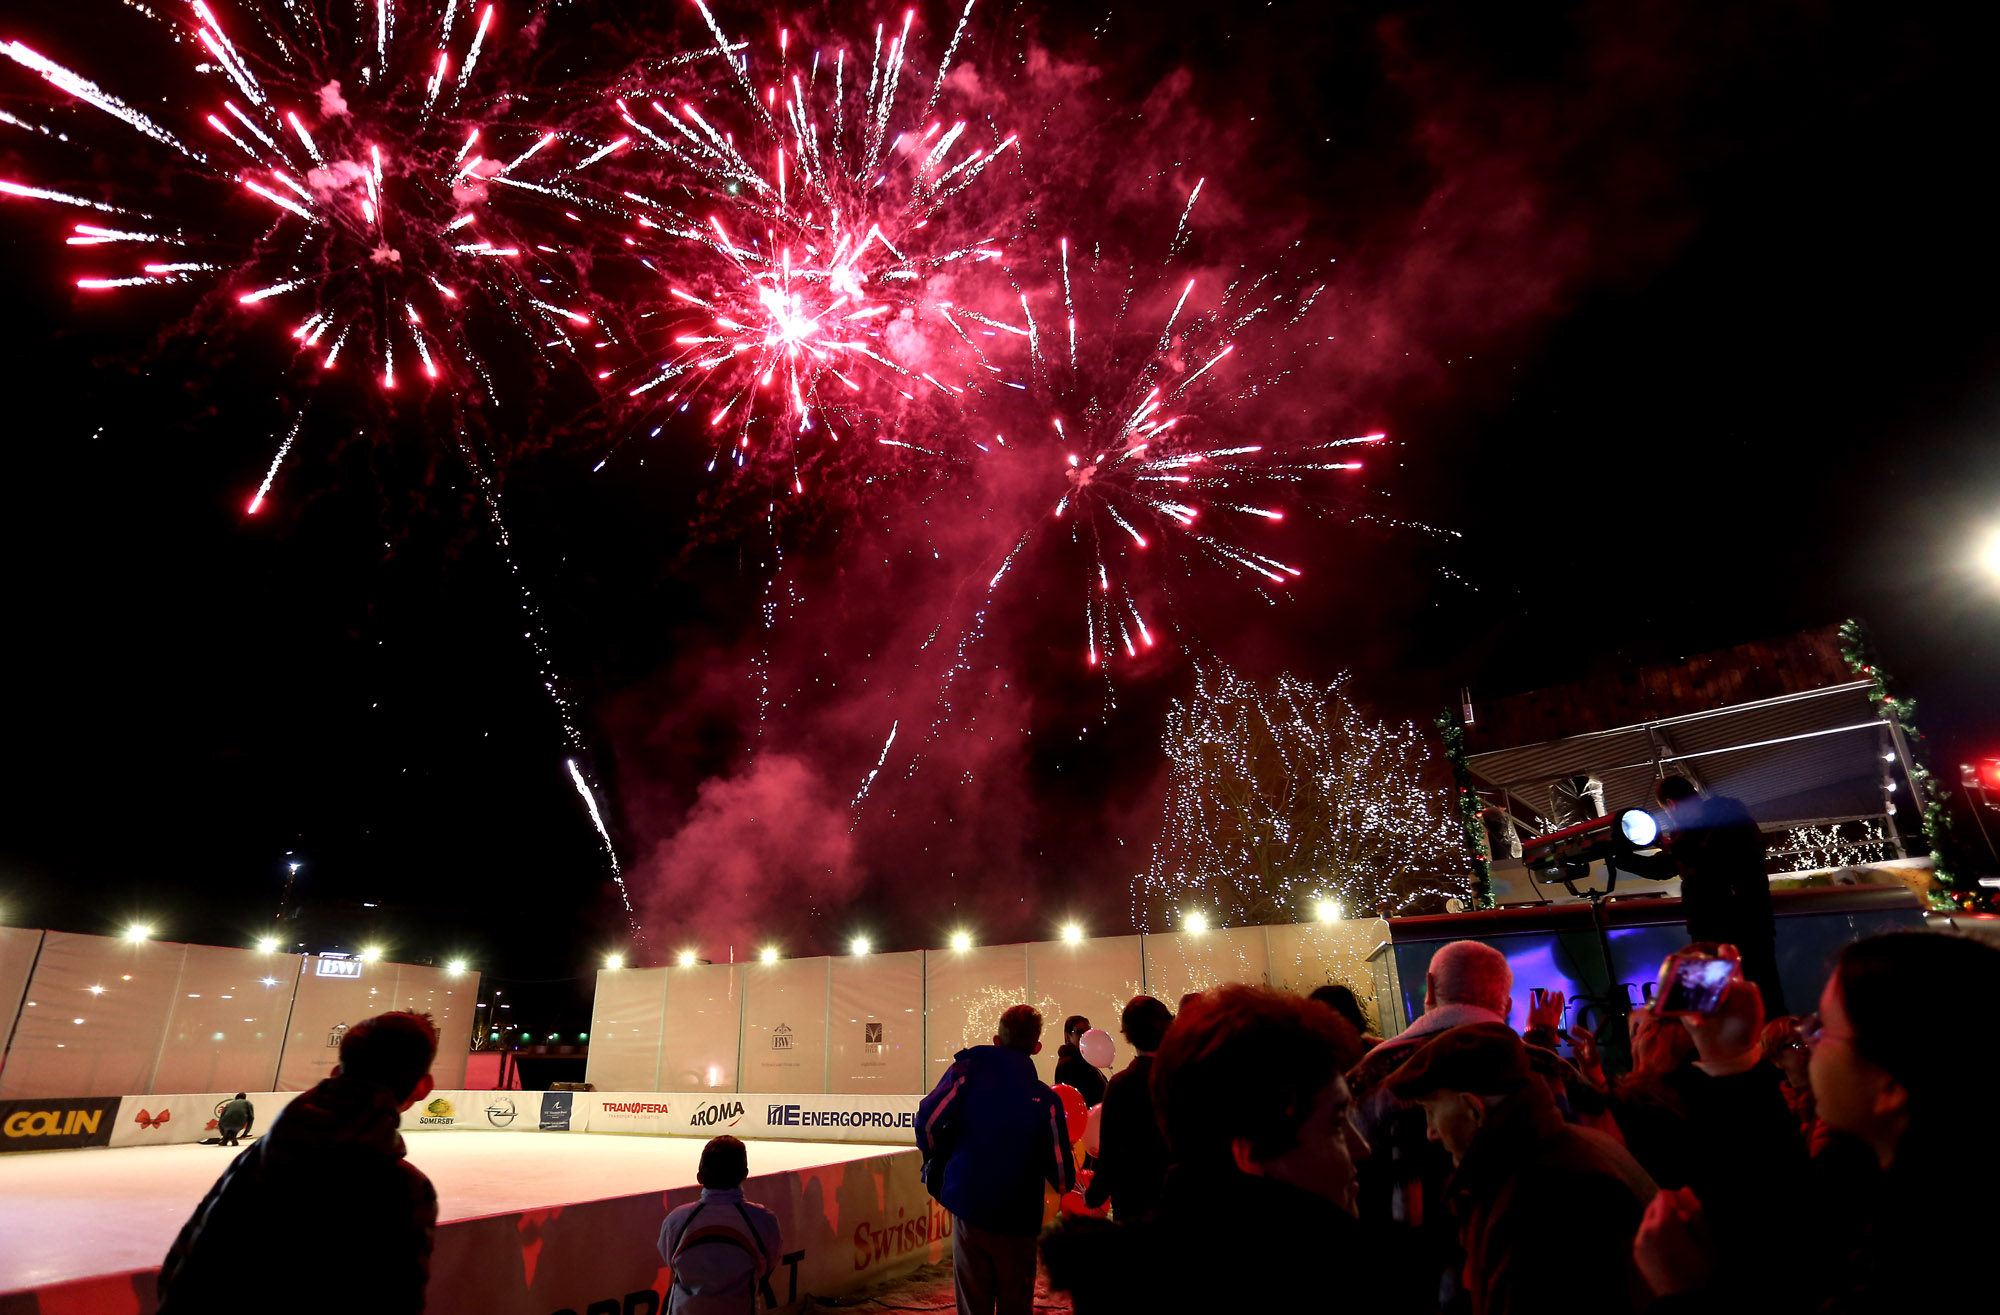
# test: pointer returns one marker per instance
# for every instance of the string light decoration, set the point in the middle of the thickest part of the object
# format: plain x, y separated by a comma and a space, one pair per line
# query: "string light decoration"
1842, 845
1900, 716
1284, 796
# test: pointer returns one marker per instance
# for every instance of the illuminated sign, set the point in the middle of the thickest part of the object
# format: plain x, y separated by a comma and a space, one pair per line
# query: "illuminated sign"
338, 968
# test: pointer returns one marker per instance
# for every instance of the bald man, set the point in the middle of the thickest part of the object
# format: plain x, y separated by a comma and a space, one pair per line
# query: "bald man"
1402, 1181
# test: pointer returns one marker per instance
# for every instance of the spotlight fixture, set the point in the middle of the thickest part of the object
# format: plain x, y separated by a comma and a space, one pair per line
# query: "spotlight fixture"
770, 954
137, 932
860, 945
961, 941
1196, 922
1072, 931
1327, 910
267, 945
687, 959
614, 962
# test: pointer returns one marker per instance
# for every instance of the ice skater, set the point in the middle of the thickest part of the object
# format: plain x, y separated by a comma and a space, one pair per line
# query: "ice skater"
235, 1119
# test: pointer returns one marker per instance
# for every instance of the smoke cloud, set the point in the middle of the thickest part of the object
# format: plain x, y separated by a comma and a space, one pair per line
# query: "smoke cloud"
1468, 207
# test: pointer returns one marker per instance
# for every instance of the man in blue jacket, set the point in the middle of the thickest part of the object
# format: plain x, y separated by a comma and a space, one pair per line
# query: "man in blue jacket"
992, 1133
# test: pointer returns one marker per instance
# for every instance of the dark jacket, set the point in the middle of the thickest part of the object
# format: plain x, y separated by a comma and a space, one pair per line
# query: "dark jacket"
997, 1133
1744, 1148
1546, 1214
1073, 1070
323, 1203
1131, 1152
236, 1114
1228, 1241
1870, 1244
1718, 852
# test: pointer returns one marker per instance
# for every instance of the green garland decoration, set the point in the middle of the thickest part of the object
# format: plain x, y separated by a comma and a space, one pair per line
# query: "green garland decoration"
1934, 817
1452, 727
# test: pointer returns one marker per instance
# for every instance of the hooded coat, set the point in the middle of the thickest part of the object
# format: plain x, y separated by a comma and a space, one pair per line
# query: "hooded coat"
324, 1204
994, 1132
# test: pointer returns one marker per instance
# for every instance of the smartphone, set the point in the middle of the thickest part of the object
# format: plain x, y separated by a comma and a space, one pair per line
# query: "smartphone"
1694, 984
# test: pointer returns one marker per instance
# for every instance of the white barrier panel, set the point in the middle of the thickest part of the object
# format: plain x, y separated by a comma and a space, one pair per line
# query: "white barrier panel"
628, 1017
875, 1024
701, 1032
783, 1046
843, 1226
92, 1022
176, 1120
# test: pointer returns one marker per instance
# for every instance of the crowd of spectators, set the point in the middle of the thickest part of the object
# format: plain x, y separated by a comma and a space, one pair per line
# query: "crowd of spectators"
1261, 1152
1825, 1164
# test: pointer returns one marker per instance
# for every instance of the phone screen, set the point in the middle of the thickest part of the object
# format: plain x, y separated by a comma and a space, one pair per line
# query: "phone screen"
1697, 986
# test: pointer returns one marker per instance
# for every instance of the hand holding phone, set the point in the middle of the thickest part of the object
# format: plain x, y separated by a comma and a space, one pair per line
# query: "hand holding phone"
1695, 981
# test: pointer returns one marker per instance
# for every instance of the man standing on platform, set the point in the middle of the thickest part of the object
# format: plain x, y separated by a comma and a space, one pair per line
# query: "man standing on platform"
1716, 848
992, 1133
322, 1211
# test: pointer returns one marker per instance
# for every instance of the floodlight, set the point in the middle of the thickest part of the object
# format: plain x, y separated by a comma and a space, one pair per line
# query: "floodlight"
1639, 827
1195, 922
961, 940
137, 932
370, 953
687, 959
1072, 931
770, 954
267, 944
860, 945
614, 961
1326, 911
455, 967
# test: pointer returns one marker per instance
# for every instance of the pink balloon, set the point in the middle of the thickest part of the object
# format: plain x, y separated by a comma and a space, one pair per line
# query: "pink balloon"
1074, 1110
1091, 1129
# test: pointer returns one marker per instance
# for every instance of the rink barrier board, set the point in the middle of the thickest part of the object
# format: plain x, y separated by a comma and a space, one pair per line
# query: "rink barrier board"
178, 1120
843, 1225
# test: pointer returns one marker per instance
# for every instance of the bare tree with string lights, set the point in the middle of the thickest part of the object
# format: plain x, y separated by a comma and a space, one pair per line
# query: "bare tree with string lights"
1285, 799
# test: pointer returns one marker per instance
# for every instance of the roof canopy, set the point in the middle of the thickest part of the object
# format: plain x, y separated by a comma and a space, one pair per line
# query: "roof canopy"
1817, 755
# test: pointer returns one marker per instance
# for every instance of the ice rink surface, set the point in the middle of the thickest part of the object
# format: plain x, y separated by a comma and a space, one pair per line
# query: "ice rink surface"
71, 1214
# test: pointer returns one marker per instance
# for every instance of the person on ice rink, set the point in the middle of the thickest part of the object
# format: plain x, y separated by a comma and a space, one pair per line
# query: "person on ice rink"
235, 1119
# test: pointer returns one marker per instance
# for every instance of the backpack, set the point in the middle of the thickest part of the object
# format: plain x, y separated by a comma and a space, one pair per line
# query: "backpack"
748, 1240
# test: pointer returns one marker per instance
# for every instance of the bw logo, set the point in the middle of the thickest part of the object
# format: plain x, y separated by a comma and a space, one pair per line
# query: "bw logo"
781, 1037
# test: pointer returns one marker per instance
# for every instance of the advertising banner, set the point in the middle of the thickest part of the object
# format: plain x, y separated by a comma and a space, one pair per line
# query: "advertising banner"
558, 1111
890, 1119
56, 1124
178, 1120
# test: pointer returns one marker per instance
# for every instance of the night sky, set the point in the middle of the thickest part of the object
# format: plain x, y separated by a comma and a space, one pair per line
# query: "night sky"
1679, 314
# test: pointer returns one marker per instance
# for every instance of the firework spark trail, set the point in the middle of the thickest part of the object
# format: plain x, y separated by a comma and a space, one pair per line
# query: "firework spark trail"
874, 771
354, 158
537, 637
363, 178
1149, 478
271, 475
819, 223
